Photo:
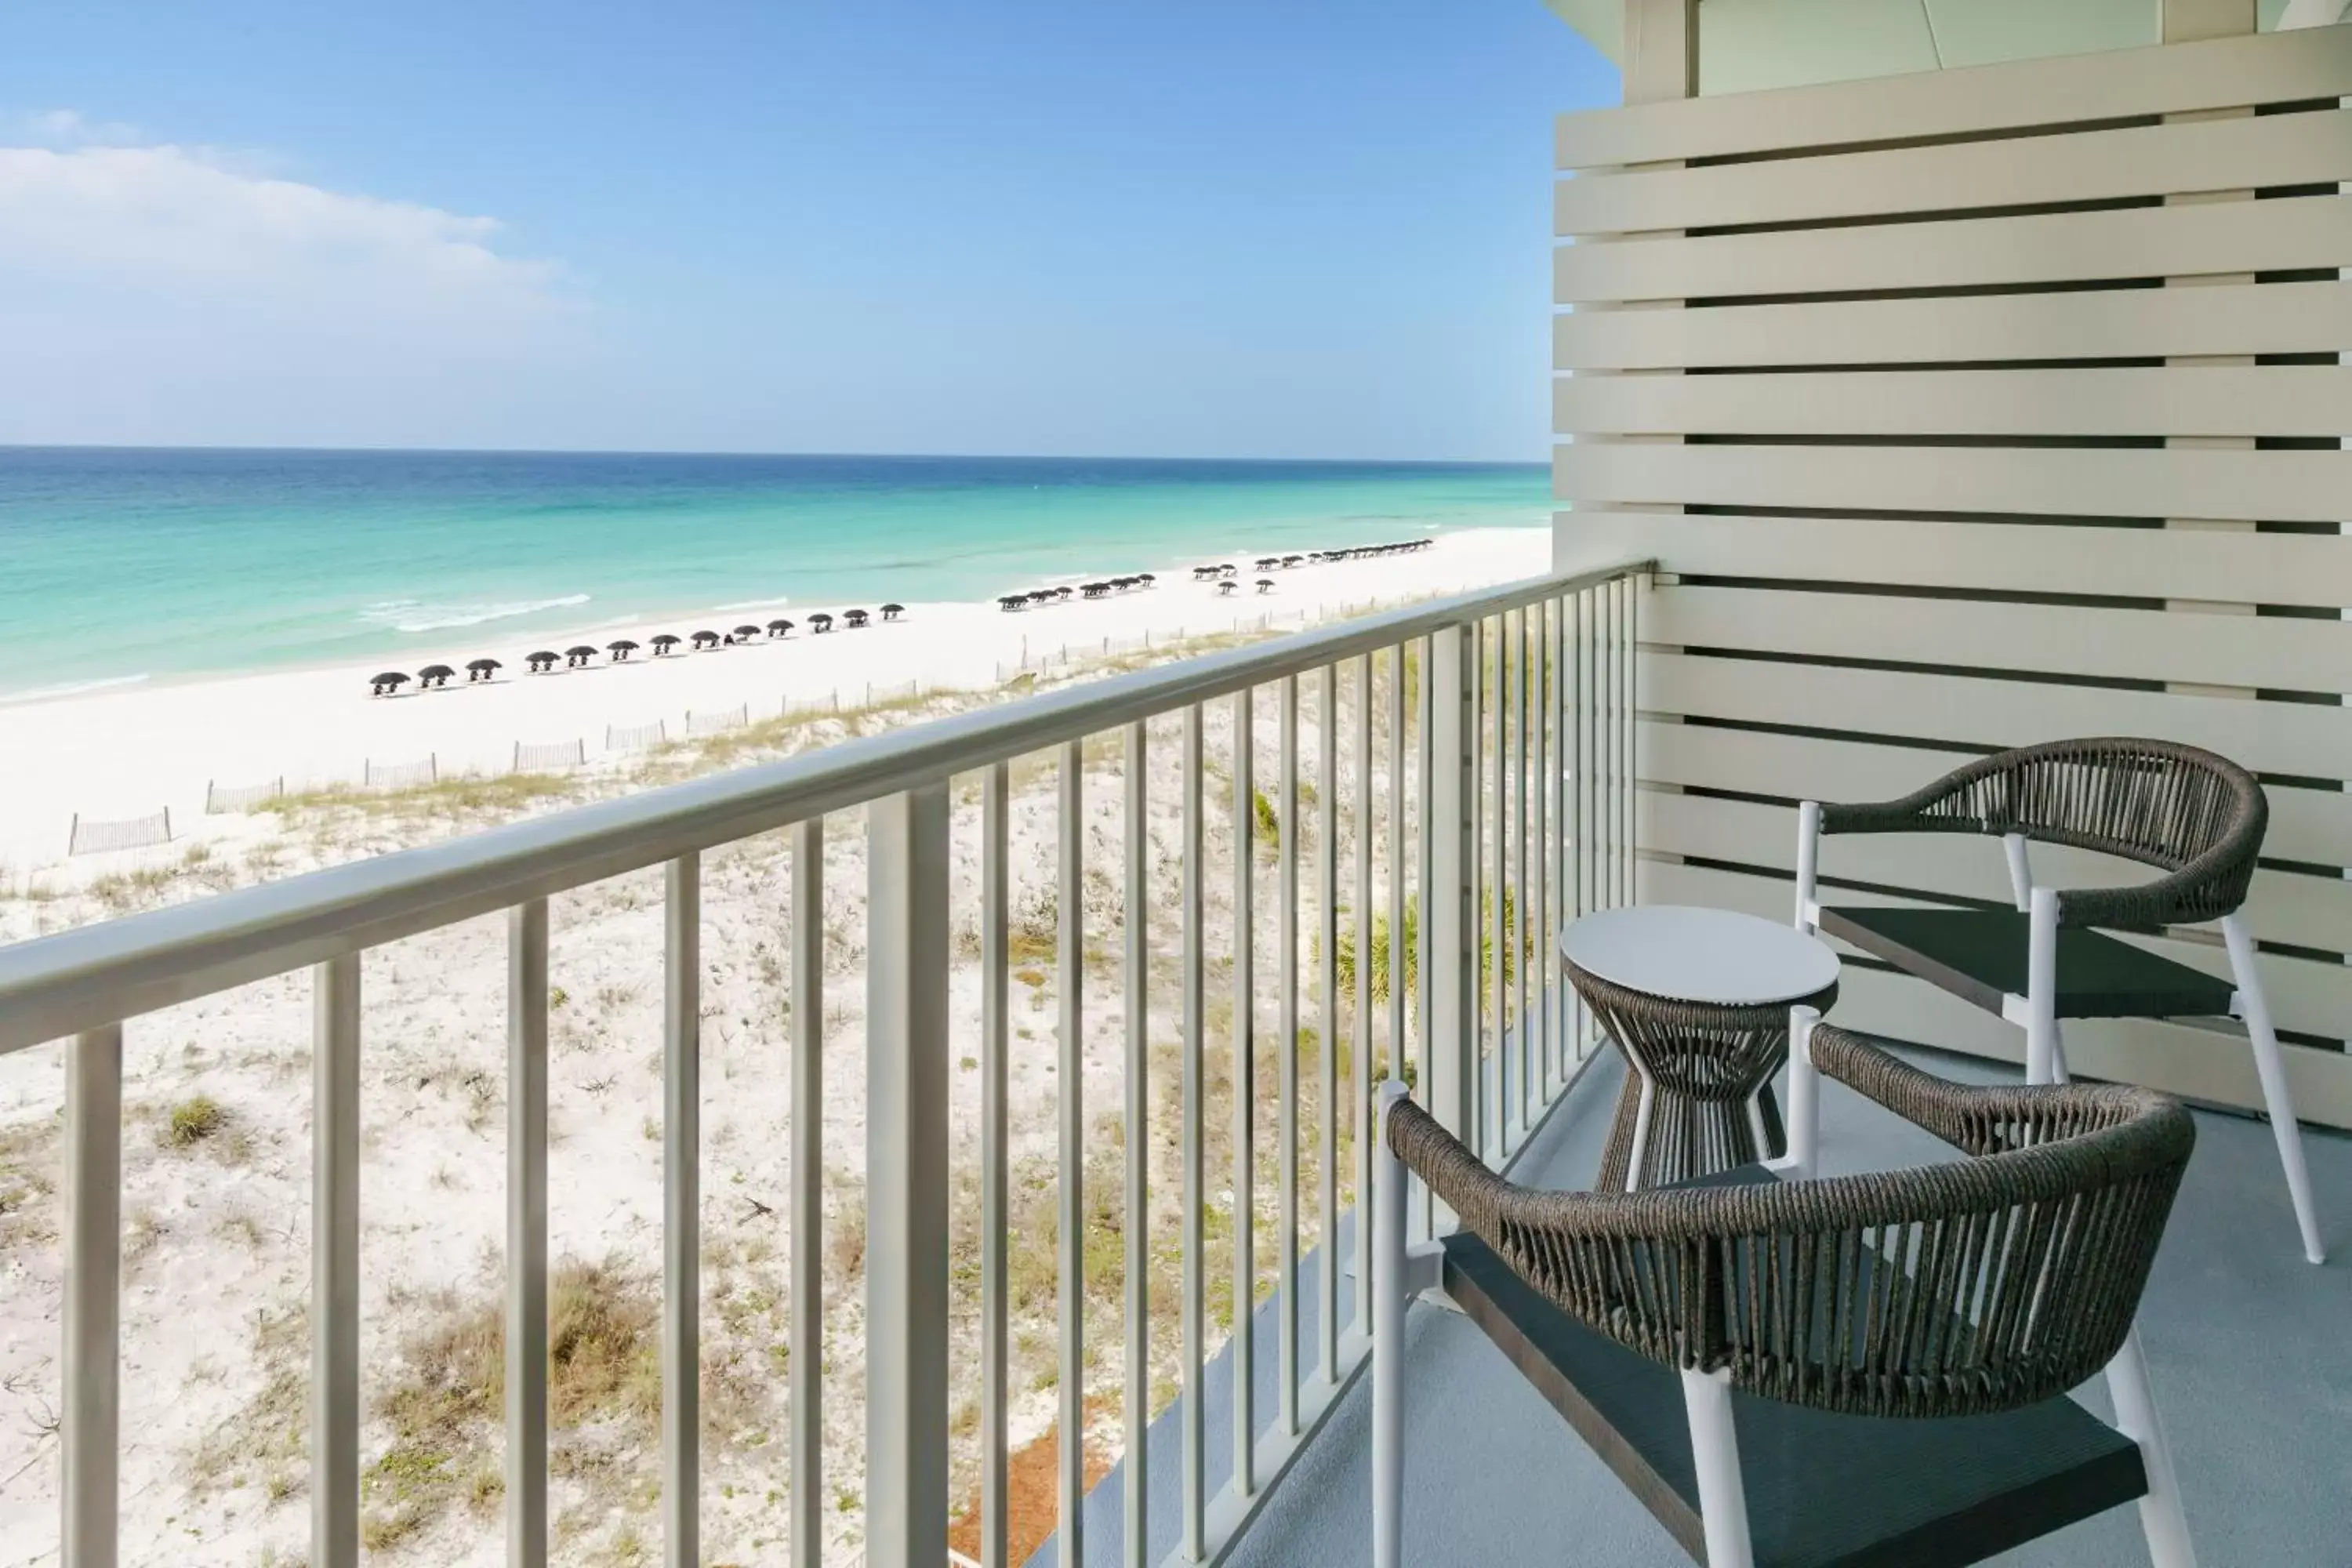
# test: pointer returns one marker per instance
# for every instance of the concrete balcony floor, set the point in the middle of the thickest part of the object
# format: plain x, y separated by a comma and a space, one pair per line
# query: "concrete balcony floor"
2250, 1347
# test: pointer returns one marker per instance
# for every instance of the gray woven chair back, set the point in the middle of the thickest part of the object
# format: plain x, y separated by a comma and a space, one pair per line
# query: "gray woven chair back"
1968, 1288
2196, 815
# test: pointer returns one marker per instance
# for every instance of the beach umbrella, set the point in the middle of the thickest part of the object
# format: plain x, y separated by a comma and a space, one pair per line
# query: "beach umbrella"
1292, 560
664, 643
706, 639
1012, 602
1224, 586
578, 654
481, 668
745, 634
390, 680
620, 650
1265, 585
777, 628
434, 675
892, 612
540, 662
820, 622
854, 618
1146, 578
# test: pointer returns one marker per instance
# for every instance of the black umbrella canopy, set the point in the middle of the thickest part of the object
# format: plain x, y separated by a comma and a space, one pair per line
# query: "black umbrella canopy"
435, 671
706, 636
541, 654
484, 664
746, 631
667, 639
779, 626
389, 677
820, 620
580, 650
622, 646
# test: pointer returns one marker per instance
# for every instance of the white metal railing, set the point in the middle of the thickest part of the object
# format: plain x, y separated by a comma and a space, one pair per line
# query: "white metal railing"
1506, 794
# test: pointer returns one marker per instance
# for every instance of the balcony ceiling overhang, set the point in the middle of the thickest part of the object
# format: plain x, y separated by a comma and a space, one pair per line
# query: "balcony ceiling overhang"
1747, 45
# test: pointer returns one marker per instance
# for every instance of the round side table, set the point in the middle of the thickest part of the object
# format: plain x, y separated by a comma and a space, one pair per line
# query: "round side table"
1699, 1000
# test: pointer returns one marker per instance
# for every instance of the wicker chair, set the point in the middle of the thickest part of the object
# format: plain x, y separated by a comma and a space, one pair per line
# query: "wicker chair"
2198, 817
1895, 1348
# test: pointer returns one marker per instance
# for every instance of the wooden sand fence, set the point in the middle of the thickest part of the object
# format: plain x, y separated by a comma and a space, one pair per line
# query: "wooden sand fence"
402, 775
637, 737
735, 717
549, 757
220, 798
91, 837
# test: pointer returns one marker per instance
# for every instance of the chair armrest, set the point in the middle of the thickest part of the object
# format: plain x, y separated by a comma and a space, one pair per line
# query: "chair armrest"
1977, 1120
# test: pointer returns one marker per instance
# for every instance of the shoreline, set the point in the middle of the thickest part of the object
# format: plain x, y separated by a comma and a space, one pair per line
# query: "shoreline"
133, 750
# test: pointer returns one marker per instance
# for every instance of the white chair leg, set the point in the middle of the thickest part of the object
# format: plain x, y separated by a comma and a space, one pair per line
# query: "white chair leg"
1388, 1344
1808, 852
2136, 1417
2278, 1099
2042, 988
1715, 1453
1804, 1094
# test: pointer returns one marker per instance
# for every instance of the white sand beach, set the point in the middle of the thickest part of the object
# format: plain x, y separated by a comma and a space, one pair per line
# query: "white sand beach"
137, 751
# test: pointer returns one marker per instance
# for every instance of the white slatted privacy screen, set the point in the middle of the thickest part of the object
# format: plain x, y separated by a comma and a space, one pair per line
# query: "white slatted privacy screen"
89, 837
219, 797
548, 756
1971, 409
635, 737
401, 776
733, 718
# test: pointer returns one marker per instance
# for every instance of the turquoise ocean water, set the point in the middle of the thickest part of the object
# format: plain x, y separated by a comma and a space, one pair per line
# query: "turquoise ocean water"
118, 565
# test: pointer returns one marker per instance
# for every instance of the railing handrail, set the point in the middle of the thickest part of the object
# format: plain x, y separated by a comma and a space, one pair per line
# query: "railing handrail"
98, 974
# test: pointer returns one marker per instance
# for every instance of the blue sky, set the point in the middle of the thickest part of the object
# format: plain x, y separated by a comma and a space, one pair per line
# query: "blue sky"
1232, 228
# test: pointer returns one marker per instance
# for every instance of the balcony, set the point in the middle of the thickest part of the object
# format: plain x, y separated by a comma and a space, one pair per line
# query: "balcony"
1925, 417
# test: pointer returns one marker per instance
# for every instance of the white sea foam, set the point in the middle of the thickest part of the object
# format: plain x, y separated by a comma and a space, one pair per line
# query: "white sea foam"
778, 603
69, 689
413, 615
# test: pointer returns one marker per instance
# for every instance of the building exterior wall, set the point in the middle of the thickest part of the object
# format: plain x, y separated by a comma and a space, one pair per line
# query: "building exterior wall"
1968, 410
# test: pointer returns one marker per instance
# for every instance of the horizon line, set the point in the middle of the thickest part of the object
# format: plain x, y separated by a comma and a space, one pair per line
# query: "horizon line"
707, 452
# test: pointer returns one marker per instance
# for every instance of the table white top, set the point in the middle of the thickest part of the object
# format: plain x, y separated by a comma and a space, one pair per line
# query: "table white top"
1688, 954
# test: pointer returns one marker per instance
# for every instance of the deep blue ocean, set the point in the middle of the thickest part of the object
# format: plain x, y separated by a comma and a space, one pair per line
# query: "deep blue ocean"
121, 565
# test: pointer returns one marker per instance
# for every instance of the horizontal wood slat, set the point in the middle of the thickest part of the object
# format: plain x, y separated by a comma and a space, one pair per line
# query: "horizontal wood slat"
2186, 400
1963, 253
2269, 737
2091, 165
2310, 825
2292, 486
2312, 570
2149, 645
2211, 1065
2224, 73
2109, 323
1964, 867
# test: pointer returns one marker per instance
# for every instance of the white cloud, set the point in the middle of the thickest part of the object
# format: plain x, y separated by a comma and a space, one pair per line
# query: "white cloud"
71, 128
163, 218
159, 293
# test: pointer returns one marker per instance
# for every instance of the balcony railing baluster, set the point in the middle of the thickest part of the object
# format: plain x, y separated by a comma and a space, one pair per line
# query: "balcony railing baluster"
526, 1327
1361, 1081
1527, 910
1327, 1039
906, 1295
1195, 1461
1494, 831
1136, 1228
1070, 1117
807, 1334
1245, 1108
335, 1266
681, 1323
1286, 1067
90, 1429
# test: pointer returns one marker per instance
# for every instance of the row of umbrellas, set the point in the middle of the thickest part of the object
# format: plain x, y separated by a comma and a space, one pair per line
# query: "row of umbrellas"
1091, 590
582, 655
1215, 570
